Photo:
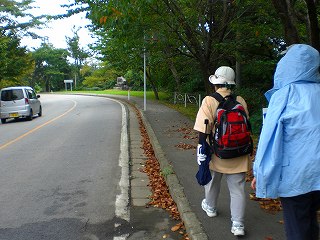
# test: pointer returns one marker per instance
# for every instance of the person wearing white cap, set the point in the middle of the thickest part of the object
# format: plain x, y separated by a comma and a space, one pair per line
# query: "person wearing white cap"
234, 169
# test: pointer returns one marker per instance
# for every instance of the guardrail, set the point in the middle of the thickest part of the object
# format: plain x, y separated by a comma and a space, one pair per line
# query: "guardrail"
186, 98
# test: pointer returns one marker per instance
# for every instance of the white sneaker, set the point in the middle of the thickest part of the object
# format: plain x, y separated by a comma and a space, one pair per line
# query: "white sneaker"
211, 212
237, 229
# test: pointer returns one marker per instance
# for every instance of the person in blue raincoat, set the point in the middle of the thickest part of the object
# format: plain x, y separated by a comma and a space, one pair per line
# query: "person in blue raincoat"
287, 162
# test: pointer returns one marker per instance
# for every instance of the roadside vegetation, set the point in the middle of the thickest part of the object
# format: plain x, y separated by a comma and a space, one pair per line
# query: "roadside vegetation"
180, 42
191, 109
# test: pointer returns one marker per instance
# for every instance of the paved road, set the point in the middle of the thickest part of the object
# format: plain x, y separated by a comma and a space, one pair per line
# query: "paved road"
60, 173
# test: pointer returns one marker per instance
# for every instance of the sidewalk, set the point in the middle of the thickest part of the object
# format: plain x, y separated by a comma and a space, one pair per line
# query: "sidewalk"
170, 132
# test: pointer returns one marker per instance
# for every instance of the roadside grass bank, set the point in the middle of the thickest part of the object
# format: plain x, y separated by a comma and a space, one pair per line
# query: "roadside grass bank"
190, 110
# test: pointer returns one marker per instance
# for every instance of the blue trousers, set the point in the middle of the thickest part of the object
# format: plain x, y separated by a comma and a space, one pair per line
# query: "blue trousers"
300, 216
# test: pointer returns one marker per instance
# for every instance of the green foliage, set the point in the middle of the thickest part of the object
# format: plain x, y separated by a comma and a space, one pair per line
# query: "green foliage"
77, 53
12, 11
134, 79
16, 63
167, 170
184, 41
255, 100
258, 74
103, 77
51, 67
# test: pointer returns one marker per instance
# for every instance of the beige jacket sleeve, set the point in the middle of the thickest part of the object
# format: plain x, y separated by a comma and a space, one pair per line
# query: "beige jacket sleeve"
207, 111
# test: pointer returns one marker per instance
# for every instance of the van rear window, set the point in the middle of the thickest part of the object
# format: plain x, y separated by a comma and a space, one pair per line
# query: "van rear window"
11, 95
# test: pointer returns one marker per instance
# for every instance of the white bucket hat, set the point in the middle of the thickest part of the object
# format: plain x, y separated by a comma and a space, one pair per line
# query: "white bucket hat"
223, 75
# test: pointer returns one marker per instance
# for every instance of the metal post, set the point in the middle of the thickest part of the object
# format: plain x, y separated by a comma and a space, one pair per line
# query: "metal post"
185, 100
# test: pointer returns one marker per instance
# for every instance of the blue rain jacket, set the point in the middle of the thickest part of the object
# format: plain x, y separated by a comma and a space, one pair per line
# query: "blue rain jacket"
287, 161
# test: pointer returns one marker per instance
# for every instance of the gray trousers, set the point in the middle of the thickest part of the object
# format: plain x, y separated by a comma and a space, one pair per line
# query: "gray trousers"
236, 185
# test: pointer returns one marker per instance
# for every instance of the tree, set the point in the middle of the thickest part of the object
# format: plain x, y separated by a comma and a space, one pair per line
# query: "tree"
201, 33
103, 76
14, 10
299, 20
51, 67
78, 54
16, 64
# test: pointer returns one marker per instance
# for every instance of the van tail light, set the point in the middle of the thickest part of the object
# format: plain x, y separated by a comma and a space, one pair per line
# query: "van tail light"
26, 100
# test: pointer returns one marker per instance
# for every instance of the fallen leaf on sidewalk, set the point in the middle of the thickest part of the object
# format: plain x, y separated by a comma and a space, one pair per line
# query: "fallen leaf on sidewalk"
268, 204
185, 146
176, 227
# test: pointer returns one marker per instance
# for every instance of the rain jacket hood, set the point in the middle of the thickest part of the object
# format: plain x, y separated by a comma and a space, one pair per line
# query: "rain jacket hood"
288, 154
300, 64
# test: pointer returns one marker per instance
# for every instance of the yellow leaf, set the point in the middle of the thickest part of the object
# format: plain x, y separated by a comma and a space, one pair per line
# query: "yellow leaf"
176, 227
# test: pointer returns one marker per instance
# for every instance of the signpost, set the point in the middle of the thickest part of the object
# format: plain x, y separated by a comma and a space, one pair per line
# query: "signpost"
70, 81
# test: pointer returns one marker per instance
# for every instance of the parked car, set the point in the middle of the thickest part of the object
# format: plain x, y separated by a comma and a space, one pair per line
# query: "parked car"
19, 102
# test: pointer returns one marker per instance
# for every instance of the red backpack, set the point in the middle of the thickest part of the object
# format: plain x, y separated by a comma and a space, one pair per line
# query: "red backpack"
232, 135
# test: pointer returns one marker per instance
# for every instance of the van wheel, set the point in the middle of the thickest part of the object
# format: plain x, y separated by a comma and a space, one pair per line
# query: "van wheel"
40, 112
3, 120
29, 118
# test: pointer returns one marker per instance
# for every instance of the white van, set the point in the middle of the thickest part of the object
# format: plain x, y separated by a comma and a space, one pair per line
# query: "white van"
19, 102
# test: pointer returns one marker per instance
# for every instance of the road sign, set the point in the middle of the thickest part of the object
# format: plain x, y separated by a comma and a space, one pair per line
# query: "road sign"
70, 81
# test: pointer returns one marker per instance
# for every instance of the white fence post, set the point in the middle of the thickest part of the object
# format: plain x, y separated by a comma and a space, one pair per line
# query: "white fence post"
185, 100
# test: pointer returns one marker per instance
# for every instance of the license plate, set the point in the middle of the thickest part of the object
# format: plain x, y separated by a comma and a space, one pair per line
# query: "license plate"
13, 115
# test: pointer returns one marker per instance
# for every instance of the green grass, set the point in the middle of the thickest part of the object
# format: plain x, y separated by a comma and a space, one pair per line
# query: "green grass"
149, 94
167, 99
190, 111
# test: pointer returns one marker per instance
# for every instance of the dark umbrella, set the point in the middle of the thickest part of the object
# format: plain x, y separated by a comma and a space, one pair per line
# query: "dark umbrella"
204, 175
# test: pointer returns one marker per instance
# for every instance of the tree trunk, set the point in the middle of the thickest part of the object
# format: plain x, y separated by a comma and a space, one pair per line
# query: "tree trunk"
47, 85
206, 73
288, 19
238, 74
175, 74
153, 86
168, 53
313, 24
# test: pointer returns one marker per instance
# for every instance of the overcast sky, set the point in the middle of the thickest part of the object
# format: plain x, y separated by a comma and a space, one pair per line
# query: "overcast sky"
58, 29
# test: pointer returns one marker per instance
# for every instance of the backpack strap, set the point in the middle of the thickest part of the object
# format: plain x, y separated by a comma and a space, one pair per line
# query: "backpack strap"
218, 97
222, 100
